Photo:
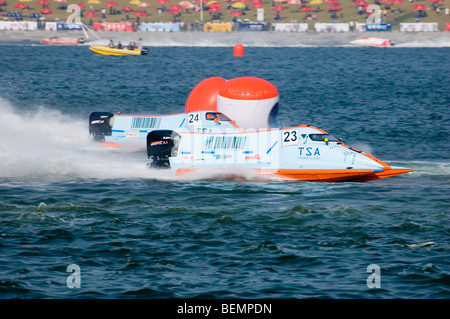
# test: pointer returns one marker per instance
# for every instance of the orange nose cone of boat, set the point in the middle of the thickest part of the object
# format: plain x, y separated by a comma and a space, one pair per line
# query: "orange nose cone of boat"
392, 172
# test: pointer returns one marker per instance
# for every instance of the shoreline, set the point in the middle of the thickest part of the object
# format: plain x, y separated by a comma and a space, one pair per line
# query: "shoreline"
247, 38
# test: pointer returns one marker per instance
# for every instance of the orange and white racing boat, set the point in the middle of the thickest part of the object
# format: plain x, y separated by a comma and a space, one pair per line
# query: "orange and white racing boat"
232, 124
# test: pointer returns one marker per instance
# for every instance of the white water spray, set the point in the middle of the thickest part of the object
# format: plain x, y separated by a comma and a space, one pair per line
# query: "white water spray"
46, 144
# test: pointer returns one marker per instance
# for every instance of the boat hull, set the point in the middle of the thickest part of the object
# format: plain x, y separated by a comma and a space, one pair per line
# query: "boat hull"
341, 175
311, 175
104, 50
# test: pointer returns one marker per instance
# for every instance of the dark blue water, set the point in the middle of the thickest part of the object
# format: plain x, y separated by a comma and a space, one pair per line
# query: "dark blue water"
135, 233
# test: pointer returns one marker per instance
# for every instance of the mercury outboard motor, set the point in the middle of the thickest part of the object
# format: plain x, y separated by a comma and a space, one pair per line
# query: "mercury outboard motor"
100, 124
162, 144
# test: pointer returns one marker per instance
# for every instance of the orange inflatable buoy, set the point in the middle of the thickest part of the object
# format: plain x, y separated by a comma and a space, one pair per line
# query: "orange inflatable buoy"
248, 88
252, 102
238, 50
204, 96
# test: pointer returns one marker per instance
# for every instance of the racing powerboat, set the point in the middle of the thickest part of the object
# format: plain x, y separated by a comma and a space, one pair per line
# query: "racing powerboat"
373, 42
232, 124
63, 41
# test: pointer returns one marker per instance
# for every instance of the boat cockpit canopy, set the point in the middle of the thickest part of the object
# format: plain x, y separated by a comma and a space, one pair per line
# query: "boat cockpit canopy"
211, 116
323, 138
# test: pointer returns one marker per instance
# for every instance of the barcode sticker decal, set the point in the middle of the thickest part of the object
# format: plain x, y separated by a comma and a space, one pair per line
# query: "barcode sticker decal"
226, 142
145, 122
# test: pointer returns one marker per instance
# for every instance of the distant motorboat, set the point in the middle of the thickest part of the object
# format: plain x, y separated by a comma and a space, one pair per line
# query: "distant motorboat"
373, 42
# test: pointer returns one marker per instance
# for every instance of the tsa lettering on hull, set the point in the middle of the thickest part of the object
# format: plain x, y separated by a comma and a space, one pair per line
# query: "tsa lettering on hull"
230, 124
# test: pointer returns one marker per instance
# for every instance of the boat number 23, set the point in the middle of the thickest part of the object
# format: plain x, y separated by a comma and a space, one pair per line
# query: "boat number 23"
290, 137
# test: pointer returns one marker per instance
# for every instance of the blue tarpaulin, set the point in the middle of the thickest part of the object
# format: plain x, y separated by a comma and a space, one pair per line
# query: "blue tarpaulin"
68, 26
12, 15
34, 16
378, 27
167, 27
251, 26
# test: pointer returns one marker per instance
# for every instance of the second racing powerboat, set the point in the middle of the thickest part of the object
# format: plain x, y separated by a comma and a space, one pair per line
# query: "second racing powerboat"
373, 42
232, 124
63, 41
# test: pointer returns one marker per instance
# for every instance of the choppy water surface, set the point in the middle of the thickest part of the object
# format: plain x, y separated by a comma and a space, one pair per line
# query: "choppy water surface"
136, 233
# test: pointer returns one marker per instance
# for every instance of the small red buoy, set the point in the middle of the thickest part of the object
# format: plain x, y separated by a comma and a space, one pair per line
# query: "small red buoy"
238, 50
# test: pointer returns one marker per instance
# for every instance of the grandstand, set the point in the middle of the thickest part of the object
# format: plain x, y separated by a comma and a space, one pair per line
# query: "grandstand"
189, 12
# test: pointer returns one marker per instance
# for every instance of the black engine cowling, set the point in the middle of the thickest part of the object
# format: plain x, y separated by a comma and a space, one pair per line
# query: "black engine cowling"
100, 125
162, 144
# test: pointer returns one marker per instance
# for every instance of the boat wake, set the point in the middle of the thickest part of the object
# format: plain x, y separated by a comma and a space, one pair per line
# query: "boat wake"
45, 144
438, 42
426, 168
231, 174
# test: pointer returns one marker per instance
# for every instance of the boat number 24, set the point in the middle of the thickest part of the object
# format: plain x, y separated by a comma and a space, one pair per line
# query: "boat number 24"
290, 137
193, 119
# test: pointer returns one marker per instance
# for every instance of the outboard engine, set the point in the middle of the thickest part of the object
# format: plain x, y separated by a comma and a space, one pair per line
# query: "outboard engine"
100, 124
162, 144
